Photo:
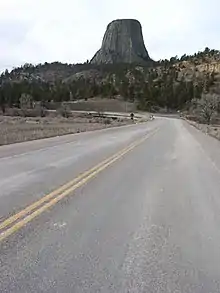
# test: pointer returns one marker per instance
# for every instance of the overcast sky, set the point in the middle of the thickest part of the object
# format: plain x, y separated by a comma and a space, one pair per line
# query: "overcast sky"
71, 31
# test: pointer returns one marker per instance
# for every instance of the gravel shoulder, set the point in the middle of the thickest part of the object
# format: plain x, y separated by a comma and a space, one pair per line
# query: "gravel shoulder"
212, 130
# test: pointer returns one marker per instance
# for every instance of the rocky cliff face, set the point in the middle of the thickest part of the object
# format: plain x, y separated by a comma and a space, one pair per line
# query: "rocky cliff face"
122, 43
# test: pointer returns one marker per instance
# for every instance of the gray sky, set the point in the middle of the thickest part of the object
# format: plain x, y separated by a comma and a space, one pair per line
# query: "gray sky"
71, 31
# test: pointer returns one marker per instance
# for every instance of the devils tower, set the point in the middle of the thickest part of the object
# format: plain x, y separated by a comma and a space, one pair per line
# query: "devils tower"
122, 43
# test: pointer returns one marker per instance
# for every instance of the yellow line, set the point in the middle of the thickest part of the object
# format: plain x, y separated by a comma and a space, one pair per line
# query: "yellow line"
47, 197
60, 193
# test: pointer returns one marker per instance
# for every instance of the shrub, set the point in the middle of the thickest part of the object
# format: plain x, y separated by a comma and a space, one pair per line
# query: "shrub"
13, 112
64, 111
207, 106
26, 101
107, 121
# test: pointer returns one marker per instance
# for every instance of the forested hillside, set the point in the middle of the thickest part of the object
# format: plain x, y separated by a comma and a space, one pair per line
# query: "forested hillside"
170, 84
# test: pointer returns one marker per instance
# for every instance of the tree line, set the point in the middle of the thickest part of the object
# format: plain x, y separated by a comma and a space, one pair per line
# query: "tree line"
160, 86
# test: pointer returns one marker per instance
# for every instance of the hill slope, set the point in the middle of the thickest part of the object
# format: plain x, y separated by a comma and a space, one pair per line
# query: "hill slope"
168, 84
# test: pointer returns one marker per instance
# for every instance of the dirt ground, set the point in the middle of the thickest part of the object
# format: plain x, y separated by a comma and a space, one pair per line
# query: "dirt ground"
19, 129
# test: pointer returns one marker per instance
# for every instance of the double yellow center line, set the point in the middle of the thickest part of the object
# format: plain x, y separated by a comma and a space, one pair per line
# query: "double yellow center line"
19, 220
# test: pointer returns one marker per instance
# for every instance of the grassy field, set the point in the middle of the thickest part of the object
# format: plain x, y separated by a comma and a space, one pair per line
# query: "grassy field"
19, 129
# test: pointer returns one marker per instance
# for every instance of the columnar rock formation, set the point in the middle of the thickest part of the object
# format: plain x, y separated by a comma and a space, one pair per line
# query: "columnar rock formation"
122, 43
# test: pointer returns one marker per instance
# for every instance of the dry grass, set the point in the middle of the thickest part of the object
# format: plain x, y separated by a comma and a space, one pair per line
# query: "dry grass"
19, 129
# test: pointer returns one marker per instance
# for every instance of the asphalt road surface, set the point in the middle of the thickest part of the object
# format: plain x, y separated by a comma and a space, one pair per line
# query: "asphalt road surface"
130, 209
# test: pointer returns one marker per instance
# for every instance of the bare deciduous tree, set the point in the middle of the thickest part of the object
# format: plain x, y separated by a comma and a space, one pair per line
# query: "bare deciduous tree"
207, 106
26, 101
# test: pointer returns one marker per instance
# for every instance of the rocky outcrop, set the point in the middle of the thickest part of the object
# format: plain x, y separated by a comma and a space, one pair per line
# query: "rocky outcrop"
122, 43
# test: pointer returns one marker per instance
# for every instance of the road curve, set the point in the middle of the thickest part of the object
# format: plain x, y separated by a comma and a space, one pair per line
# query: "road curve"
130, 209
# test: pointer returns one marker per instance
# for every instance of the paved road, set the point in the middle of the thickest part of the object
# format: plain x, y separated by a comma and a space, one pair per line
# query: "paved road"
146, 221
